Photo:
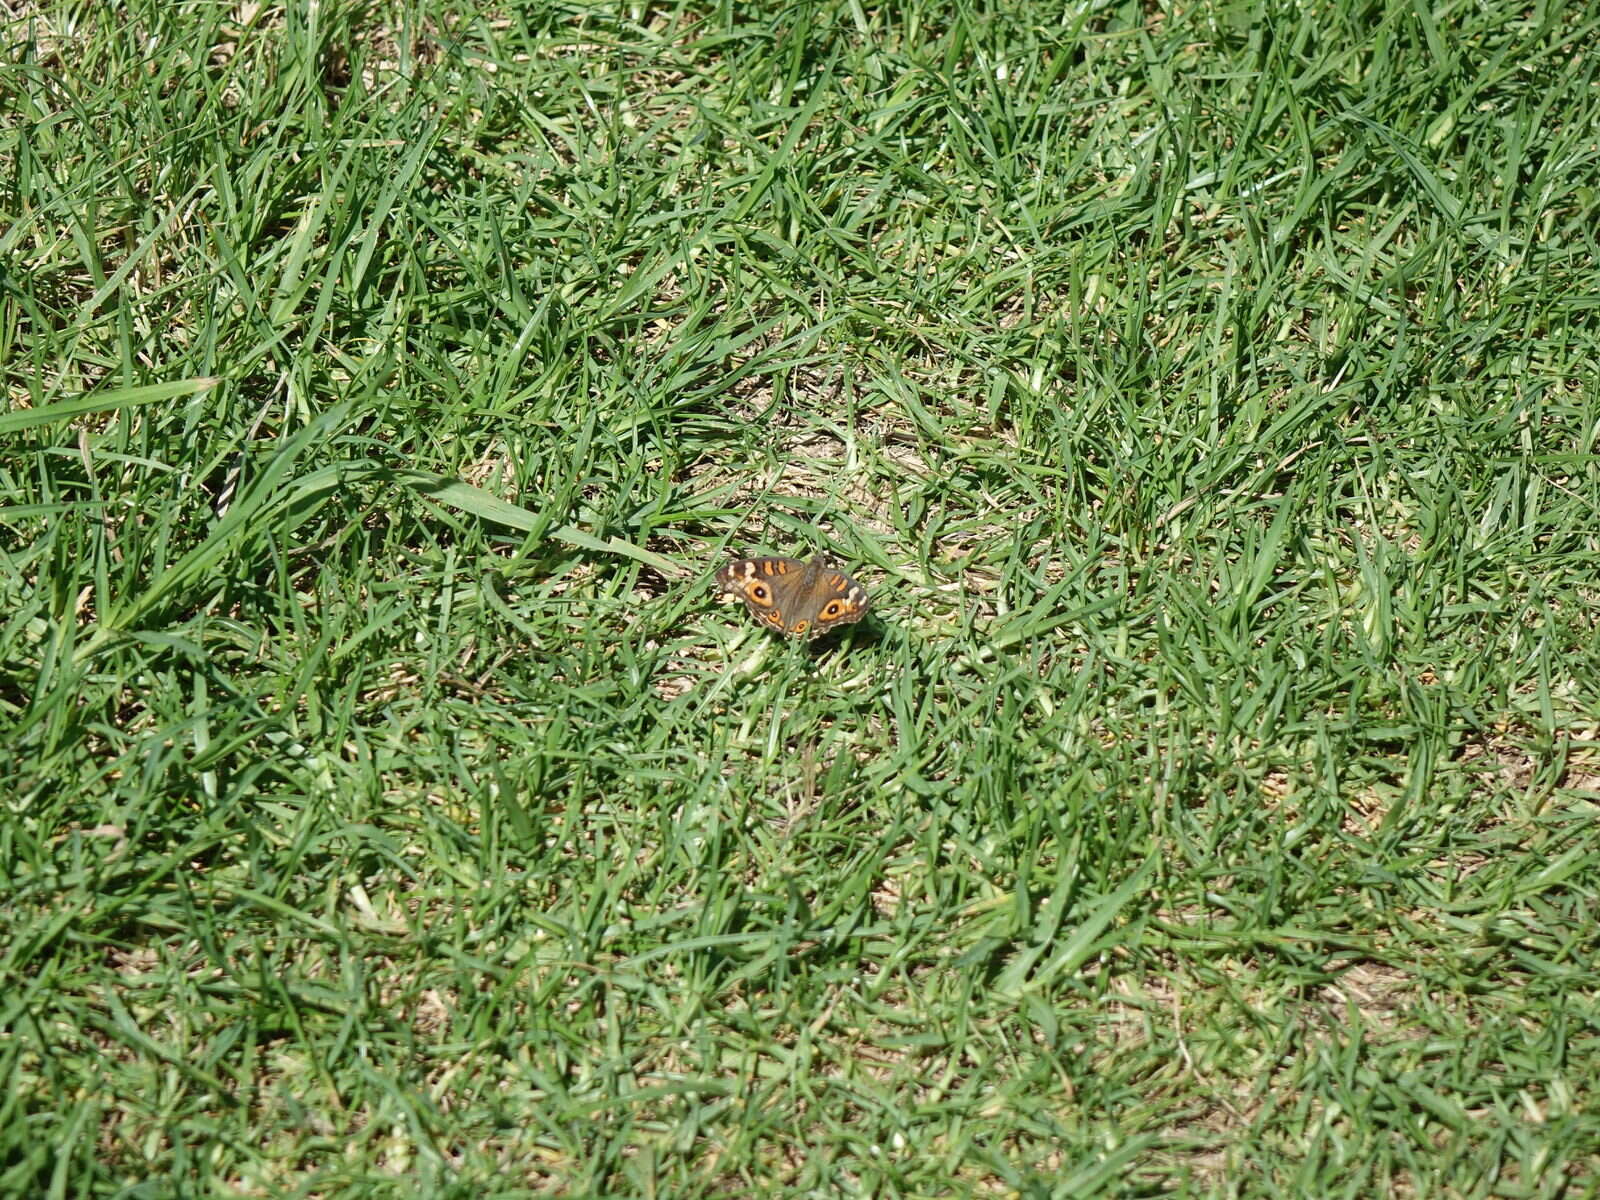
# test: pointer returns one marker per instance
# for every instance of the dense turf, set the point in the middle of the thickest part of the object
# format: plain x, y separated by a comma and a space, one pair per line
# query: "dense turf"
1206, 395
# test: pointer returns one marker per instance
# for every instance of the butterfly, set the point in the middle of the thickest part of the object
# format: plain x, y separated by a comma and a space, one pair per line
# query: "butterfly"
799, 598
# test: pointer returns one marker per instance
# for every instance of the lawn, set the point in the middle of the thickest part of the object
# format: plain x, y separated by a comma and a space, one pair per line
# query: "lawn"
1208, 397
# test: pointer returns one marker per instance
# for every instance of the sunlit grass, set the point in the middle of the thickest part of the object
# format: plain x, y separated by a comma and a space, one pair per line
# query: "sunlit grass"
1207, 398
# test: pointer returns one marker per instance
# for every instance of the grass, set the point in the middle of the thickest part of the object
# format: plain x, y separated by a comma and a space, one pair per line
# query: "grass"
1206, 395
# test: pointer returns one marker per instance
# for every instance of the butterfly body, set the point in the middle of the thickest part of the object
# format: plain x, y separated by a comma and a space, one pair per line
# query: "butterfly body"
798, 598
